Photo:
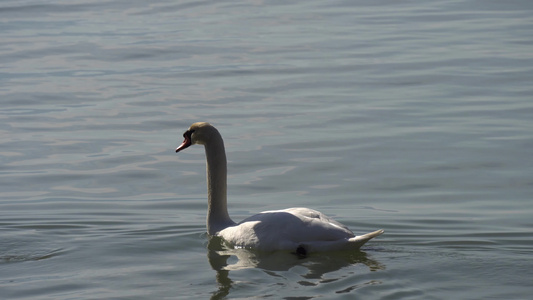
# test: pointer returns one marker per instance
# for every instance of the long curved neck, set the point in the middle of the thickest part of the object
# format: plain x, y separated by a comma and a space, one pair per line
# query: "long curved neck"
217, 207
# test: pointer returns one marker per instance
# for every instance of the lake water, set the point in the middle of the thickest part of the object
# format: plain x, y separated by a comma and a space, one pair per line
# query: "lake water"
411, 116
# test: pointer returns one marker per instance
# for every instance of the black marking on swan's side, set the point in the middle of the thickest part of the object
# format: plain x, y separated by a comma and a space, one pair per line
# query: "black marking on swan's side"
301, 252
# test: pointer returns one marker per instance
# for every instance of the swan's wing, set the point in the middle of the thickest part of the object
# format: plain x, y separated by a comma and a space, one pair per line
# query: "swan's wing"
285, 230
304, 224
318, 216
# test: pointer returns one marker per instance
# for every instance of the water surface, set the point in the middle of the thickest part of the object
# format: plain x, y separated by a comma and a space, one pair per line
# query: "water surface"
414, 117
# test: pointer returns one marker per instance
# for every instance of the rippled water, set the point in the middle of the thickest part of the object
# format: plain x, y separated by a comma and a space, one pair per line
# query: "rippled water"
414, 117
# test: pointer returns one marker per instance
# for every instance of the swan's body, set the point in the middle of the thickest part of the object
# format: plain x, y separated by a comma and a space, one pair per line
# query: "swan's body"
295, 229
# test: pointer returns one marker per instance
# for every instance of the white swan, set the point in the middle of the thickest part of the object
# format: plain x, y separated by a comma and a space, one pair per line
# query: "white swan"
301, 230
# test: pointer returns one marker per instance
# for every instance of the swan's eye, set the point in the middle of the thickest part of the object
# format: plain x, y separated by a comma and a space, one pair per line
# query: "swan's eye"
188, 133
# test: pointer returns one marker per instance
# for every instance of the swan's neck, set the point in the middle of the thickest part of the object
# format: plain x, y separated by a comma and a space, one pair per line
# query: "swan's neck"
217, 209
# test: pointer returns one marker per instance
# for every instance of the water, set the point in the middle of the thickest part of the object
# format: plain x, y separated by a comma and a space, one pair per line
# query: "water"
414, 117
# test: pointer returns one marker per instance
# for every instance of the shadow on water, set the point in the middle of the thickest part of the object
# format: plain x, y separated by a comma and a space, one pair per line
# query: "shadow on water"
224, 259
29, 256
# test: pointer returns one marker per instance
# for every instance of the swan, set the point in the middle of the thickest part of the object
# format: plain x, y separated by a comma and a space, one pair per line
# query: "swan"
299, 230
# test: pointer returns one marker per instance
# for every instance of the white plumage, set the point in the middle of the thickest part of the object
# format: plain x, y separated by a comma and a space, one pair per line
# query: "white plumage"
301, 230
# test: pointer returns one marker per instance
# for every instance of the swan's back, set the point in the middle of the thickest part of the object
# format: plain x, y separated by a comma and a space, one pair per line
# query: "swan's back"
290, 229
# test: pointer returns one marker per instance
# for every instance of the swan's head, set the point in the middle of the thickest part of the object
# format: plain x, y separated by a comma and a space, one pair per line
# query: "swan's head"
198, 134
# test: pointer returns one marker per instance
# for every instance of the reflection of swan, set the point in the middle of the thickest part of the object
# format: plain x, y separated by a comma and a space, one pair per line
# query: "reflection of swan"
301, 230
219, 254
225, 260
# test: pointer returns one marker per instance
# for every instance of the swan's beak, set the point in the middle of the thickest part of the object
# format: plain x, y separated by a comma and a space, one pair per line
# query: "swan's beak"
186, 143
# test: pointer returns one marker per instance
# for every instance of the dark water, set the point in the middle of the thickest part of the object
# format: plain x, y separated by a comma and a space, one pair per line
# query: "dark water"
414, 117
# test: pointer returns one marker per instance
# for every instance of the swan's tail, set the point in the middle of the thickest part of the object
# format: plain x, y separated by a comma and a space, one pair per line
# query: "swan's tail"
357, 241
338, 245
